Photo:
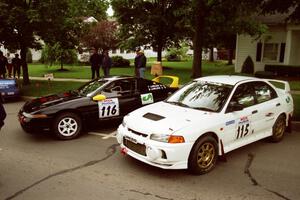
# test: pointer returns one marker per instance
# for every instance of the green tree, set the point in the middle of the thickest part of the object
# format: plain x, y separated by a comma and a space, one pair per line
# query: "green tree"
292, 7
54, 53
155, 23
25, 22
213, 17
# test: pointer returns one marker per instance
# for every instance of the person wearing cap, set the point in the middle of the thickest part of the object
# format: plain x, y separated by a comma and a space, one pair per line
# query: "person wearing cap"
140, 61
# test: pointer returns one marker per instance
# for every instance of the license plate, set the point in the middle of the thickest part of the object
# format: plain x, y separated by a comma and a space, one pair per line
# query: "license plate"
131, 139
10, 93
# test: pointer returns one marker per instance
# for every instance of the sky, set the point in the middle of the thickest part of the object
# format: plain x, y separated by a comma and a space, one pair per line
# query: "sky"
110, 11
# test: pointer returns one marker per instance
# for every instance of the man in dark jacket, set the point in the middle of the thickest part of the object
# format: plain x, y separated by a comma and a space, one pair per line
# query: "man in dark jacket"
140, 61
2, 112
95, 61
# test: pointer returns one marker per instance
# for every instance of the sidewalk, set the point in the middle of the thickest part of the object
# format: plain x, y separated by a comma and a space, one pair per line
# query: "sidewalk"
59, 79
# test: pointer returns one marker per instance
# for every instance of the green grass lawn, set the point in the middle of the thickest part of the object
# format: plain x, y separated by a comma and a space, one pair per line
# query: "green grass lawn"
180, 69
296, 99
42, 88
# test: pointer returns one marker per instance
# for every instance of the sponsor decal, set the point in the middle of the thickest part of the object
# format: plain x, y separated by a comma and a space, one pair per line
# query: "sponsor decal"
230, 122
243, 127
156, 87
147, 98
288, 99
108, 108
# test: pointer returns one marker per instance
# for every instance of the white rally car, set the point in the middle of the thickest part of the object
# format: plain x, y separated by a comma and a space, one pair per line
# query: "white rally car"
205, 119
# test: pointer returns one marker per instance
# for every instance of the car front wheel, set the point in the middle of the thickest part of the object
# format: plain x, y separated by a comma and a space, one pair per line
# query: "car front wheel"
67, 126
203, 156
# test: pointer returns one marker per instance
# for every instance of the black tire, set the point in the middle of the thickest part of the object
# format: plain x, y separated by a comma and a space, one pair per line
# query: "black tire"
67, 126
203, 156
278, 129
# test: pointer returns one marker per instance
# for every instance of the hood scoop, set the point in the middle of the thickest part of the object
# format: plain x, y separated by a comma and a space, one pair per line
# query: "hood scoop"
153, 117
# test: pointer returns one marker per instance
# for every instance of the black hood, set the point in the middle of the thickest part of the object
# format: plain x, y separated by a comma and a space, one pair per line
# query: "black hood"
47, 101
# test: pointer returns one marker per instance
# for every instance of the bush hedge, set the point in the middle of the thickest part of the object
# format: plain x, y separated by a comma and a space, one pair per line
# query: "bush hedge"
119, 61
272, 71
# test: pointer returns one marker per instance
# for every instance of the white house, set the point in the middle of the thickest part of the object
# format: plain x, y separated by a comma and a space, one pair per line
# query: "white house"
280, 45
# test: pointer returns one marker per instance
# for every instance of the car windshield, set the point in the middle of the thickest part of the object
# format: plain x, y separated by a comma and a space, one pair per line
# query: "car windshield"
206, 96
90, 87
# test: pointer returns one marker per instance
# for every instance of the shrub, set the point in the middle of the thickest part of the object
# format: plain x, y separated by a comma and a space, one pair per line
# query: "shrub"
248, 66
177, 54
56, 54
173, 57
119, 61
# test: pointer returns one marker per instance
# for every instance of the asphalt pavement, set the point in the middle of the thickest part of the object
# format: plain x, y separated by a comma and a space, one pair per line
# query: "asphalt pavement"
92, 167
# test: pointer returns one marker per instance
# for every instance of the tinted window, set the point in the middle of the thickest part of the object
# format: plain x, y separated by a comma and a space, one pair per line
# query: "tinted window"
120, 87
91, 87
263, 92
202, 95
244, 95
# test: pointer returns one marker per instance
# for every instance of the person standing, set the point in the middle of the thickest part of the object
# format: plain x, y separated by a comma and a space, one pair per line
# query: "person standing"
2, 112
106, 63
140, 64
9, 64
16, 62
95, 61
3, 63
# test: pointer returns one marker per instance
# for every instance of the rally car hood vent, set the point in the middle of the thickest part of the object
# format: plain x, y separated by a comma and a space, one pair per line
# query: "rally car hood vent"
153, 117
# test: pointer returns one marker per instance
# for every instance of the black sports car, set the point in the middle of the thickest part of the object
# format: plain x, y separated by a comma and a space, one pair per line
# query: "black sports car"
67, 114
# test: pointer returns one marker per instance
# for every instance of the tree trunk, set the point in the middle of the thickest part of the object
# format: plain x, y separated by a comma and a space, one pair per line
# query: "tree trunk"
23, 53
61, 63
211, 54
159, 53
198, 38
230, 56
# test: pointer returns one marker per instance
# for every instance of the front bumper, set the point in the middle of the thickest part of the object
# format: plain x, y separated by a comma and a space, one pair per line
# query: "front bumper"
158, 154
34, 124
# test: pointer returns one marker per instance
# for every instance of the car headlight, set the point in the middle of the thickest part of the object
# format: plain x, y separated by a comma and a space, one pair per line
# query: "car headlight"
167, 138
27, 115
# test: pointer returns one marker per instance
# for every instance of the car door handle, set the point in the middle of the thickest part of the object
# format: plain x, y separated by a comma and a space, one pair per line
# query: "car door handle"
254, 111
278, 104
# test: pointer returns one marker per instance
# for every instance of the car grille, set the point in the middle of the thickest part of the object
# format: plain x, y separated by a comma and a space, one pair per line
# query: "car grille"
137, 133
138, 148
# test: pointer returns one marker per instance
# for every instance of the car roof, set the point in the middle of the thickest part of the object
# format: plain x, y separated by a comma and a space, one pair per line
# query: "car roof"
227, 79
112, 78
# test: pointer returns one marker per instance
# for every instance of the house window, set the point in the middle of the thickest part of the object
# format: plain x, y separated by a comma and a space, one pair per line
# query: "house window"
270, 52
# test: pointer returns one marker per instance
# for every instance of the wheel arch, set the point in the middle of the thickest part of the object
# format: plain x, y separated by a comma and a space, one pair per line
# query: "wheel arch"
210, 133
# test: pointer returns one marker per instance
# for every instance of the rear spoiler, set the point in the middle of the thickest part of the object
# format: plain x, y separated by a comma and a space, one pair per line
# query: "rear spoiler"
286, 84
175, 80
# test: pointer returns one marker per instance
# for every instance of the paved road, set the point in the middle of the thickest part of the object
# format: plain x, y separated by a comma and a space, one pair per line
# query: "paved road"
91, 167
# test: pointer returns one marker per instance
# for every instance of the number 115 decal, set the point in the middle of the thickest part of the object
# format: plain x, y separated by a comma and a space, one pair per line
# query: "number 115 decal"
243, 128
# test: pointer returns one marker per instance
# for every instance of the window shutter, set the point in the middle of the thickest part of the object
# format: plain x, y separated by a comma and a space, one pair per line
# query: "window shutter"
282, 51
258, 51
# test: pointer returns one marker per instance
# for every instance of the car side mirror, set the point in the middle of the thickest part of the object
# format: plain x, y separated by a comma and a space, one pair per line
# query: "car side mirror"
234, 106
99, 97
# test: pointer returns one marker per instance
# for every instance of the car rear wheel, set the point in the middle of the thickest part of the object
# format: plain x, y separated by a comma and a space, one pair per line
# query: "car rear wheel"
67, 126
278, 129
203, 156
